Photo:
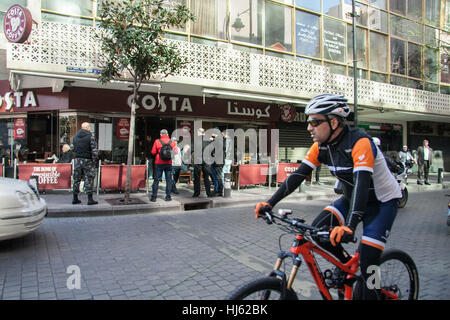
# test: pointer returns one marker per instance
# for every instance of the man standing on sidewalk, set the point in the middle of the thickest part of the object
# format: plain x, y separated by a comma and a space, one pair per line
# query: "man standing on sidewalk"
163, 149
424, 161
86, 158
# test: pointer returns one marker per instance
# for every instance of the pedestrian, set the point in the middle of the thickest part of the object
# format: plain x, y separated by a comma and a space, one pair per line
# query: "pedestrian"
176, 165
66, 156
406, 158
217, 168
201, 166
424, 161
86, 159
148, 141
163, 150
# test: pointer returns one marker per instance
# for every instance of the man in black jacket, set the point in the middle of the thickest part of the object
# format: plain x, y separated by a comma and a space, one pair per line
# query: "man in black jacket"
86, 157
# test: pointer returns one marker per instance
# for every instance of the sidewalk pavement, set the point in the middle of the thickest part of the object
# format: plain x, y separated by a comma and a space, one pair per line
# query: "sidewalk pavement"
59, 202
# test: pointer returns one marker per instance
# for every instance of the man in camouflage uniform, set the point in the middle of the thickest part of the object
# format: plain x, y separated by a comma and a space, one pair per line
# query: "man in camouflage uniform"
86, 158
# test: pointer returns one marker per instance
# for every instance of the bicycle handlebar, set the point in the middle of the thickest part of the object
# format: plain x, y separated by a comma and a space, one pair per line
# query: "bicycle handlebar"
323, 233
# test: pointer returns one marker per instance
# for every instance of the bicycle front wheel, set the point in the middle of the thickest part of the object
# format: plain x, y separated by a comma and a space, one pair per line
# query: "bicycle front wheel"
268, 288
399, 276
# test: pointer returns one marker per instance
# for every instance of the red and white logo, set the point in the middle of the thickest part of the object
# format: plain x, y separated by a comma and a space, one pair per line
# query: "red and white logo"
288, 113
17, 24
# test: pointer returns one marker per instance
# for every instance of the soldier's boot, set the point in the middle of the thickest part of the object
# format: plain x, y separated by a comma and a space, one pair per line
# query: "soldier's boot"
91, 200
75, 199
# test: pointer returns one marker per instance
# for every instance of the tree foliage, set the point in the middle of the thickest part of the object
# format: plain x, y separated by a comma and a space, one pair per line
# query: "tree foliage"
132, 46
132, 40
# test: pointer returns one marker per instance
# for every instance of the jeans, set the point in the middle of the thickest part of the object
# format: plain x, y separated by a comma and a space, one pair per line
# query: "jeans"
159, 169
175, 175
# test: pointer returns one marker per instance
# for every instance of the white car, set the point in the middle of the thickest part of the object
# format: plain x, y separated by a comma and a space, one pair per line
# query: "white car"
21, 208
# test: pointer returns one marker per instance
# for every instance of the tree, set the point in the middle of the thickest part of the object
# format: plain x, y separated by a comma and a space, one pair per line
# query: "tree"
131, 41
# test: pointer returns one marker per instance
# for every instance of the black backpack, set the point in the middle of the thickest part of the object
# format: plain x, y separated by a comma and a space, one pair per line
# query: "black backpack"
166, 151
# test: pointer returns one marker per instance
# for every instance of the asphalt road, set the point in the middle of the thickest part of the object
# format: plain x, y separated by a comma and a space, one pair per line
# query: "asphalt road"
195, 255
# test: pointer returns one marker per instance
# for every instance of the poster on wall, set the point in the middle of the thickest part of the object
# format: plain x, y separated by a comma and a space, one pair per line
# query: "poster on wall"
19, 128
123, 128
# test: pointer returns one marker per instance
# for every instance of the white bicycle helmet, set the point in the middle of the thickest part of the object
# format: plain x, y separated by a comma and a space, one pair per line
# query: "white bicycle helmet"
328, 104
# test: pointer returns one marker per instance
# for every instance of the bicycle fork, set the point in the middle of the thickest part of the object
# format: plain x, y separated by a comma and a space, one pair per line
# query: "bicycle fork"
286, 283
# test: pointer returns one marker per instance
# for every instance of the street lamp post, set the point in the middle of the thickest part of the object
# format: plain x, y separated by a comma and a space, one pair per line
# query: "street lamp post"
355, 68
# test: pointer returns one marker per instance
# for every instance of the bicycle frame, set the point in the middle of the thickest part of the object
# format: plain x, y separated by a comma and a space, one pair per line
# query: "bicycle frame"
303, 247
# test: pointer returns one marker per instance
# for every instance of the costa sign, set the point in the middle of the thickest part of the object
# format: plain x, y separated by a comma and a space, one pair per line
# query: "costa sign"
17, 24
18, 99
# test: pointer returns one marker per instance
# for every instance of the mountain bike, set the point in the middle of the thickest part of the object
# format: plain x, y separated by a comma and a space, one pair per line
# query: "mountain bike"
397, 273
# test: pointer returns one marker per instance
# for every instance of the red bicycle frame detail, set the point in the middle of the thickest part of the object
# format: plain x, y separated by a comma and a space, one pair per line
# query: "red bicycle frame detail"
306, 248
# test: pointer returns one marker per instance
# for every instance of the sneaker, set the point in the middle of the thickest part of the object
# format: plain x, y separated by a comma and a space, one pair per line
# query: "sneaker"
175, 192
168, 198
420, 183
195, 195
153, 199
427, 183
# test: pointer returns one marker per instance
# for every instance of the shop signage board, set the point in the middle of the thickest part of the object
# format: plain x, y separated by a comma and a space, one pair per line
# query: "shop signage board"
19, 128
17, 24
50, 176
285, 169
123, 128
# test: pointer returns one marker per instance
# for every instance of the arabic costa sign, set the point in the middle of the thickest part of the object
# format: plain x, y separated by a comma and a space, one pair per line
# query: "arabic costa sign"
17, 24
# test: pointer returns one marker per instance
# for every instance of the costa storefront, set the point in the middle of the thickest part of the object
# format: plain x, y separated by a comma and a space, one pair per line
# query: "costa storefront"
35, 123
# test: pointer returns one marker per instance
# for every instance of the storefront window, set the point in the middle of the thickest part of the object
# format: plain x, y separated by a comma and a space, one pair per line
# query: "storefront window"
445, 65
431, 37
414, 10
399, 81
445, 89
308, 4
69, 7
414, 84
332, 8
211, 18
404, 28
361, 46
431, 87
378, 52
278, 33
433, 12
378, 20
361, 74
7, 143
307, 40
378, 77
63, 19
360, 9
431, 64
378, 3
334, 40
398, 6
398, 56
246, 21
336, 69
414, 60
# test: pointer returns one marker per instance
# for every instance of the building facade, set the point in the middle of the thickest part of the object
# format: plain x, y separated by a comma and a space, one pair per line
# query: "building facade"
253, 55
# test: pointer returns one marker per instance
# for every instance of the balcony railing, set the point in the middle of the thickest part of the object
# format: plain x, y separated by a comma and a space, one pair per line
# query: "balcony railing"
69, 49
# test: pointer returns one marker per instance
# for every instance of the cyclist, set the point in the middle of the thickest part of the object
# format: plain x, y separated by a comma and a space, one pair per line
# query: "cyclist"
370, 191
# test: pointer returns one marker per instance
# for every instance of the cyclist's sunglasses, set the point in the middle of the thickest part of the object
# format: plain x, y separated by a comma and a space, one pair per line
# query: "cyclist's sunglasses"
316, 122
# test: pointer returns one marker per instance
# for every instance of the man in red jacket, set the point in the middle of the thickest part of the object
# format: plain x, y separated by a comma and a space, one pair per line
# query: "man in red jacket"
162, 164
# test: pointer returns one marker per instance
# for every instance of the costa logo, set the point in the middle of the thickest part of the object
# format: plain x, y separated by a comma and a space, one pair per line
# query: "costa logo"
288, 113
17, 24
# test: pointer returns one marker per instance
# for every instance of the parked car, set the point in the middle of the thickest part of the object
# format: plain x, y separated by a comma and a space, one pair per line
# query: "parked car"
21, 209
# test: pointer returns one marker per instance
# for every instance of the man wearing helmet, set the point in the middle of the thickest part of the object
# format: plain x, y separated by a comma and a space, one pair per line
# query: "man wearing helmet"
370, 192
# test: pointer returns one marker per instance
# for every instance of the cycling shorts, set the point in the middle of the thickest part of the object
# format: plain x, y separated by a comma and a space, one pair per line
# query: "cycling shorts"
377, 220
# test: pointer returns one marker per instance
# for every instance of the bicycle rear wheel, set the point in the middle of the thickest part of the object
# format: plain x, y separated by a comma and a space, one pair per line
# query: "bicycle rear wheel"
399, 277
268, 288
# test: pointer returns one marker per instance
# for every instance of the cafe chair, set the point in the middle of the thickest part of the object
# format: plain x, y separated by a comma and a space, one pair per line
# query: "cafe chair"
186, 174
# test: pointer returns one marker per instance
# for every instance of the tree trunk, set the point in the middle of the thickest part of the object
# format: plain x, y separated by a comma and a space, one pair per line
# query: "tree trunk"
130, 148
